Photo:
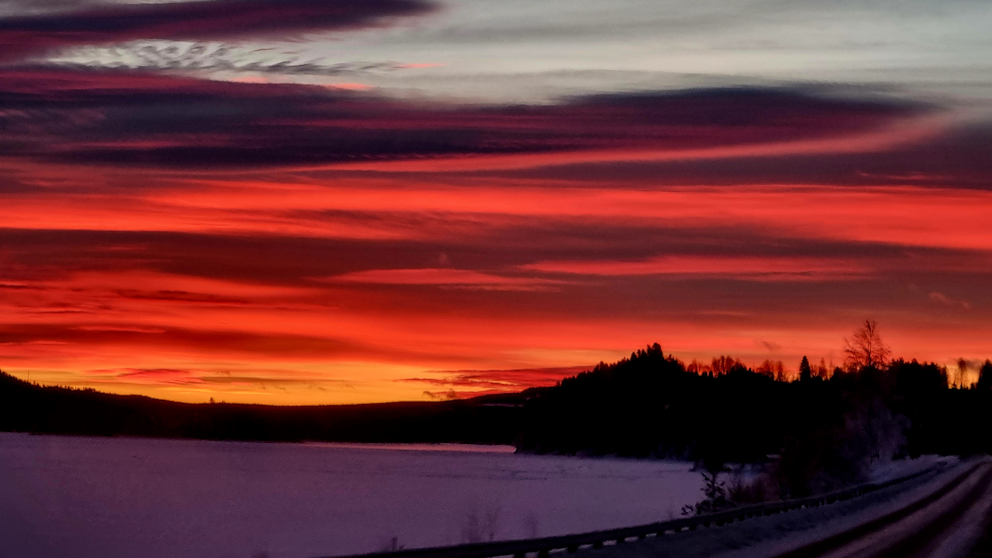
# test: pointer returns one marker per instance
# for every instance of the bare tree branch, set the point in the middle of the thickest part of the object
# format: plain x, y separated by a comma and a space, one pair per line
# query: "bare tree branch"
865, 349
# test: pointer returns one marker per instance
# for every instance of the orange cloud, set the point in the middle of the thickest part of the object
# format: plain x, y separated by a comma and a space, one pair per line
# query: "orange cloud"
446, 277
757, 268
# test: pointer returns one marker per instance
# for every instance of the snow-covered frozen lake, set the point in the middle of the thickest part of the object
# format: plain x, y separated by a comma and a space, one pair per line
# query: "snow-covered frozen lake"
64, 497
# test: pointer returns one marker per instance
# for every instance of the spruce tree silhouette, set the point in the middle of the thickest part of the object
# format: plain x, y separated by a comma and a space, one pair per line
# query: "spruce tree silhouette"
805, 371
985, 377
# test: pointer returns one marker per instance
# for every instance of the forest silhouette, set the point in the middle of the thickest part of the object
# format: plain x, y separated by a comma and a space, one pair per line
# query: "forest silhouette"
820, 431
812, 432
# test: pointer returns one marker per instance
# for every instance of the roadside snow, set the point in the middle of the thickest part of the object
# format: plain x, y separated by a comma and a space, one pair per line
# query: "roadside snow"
882, 472
776, 534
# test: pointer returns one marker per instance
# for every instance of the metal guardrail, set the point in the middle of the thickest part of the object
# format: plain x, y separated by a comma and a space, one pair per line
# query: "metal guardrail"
597, 539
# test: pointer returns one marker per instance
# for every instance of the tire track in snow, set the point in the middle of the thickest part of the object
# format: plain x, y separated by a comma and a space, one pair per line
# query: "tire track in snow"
927, 528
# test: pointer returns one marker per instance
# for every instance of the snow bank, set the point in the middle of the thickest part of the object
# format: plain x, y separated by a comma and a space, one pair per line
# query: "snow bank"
882, 472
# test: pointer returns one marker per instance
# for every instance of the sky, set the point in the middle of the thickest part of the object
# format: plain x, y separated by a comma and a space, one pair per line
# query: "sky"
328, 201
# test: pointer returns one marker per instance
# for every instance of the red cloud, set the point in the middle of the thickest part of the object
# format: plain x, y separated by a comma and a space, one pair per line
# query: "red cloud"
777, 268
471, 383
446, 277
155, 376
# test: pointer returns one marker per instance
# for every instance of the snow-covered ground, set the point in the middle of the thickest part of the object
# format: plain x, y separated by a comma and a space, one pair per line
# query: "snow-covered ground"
882, 472
66, 497
770, 536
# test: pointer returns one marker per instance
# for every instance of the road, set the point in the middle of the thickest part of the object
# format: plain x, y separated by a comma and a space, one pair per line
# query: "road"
947, 524
949, 518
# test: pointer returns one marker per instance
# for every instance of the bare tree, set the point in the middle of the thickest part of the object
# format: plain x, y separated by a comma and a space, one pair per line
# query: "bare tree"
962, 373
822, 371
724, 364
865, 349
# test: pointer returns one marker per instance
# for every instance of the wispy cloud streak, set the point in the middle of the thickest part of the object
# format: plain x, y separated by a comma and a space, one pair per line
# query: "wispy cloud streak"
128, 118
95, 24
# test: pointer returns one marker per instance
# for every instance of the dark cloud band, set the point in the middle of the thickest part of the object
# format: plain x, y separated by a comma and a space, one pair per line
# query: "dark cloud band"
204, 20
127, 118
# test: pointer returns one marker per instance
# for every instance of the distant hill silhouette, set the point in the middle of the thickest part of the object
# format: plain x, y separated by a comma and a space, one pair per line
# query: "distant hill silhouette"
26, 407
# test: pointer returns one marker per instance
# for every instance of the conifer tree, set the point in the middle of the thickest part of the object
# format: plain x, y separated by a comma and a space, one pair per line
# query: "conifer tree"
805, 371
985, 377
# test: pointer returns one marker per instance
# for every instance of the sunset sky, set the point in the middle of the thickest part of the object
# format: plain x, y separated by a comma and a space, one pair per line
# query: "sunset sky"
327, 201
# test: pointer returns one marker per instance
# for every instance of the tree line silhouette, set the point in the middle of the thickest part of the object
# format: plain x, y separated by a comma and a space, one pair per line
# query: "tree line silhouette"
814, 432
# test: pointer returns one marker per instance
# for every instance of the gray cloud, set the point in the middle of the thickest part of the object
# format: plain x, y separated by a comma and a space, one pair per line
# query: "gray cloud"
216, 57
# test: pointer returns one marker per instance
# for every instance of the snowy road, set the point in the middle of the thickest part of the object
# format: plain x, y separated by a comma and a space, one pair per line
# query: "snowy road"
947, 524
945, 516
